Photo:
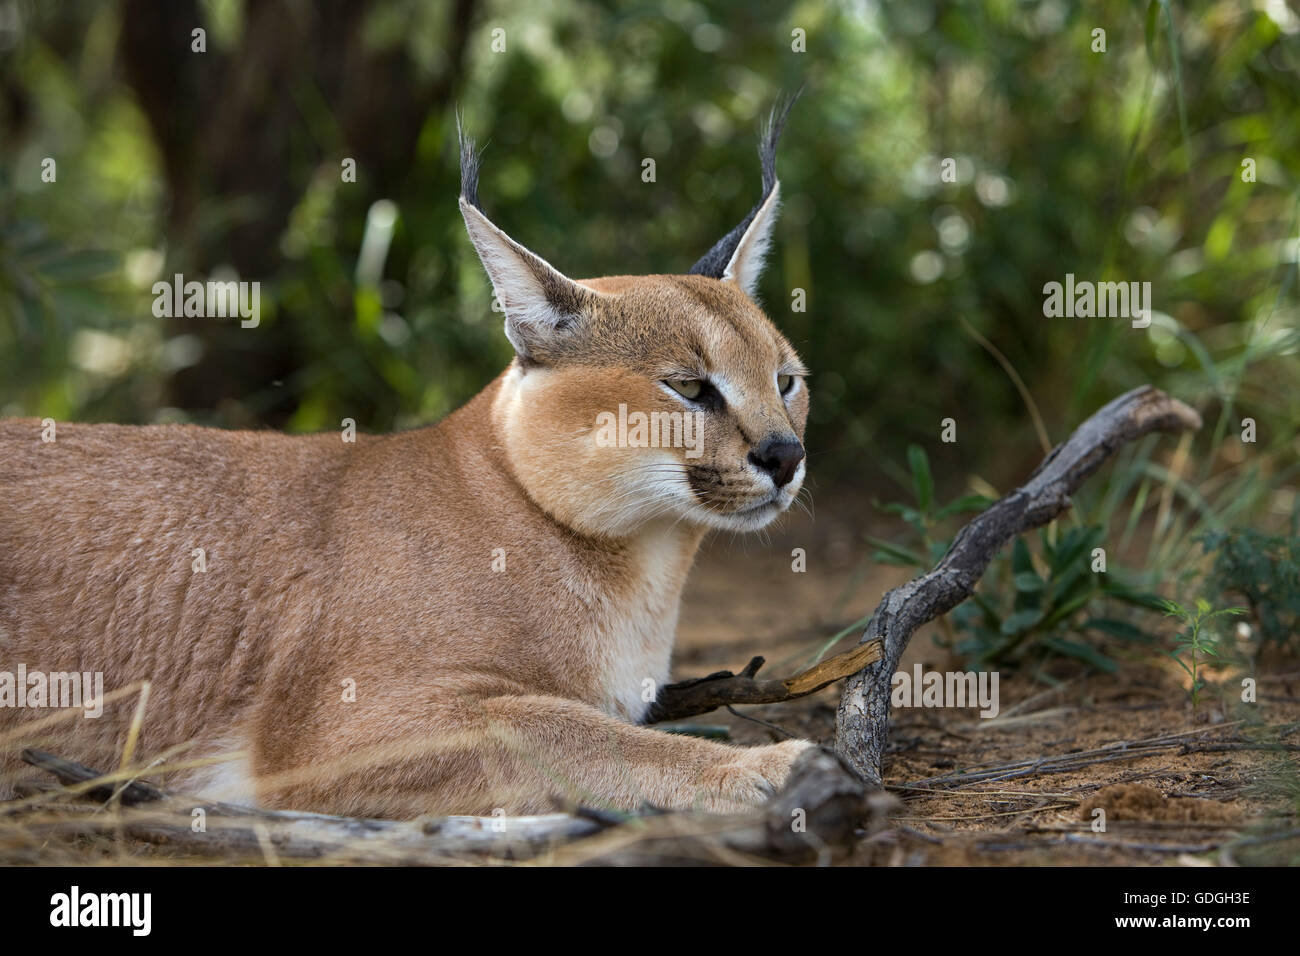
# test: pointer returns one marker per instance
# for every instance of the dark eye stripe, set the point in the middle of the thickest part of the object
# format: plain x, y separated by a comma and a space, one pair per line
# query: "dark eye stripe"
710, 397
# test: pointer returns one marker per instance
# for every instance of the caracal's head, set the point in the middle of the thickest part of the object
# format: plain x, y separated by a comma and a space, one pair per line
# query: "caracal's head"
648, 399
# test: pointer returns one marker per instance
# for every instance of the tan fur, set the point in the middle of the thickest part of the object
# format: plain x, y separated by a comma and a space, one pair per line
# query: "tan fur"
372, 562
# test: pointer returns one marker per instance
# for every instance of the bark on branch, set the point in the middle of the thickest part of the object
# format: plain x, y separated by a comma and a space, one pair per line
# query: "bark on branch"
159, 816
703, 694
819, 810
862, 722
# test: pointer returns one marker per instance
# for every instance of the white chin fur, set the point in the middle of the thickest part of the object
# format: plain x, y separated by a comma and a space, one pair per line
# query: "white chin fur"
745, 521
688, 509
754, 520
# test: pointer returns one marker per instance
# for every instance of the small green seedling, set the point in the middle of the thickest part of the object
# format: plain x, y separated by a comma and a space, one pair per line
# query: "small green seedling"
1196, 645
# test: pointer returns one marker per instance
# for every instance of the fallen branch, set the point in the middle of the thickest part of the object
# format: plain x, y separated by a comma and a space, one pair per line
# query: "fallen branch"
1062, 763
703, 694
862, 722
819, 810
158, 816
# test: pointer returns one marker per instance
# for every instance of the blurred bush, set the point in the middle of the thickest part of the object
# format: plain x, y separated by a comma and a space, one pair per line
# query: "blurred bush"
1120, 165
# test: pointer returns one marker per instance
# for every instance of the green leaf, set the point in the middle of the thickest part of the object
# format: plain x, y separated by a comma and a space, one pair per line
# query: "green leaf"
1152, 25
1083, 652
913, 517
1115, 628
1175, 57
1029, 581
1021, 561
964, 504
1226, 610
922, 481
906, 512
1074, 581
888, 553
79, 266
1075, 543
1066, 608
1145, 599
1021, 621
990, 612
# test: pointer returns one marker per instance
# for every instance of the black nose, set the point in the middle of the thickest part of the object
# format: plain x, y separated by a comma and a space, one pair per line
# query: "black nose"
779, 457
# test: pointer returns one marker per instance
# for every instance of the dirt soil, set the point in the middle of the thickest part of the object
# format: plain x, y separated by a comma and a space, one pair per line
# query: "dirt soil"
1218, 792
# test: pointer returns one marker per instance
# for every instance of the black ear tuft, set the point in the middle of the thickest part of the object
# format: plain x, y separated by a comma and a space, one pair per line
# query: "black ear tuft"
469, 166
714, 262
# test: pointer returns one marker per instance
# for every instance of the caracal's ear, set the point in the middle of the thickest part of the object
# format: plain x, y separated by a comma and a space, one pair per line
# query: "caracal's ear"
738, 256
543, 307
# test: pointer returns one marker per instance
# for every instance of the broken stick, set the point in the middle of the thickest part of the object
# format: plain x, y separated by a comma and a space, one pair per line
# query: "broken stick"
703, 694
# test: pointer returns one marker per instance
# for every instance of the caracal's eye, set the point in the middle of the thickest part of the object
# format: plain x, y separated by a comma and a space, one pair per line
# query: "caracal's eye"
686, 387
784, 383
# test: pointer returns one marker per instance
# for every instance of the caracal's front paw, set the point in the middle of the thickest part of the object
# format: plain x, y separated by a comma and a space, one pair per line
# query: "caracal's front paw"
751, 776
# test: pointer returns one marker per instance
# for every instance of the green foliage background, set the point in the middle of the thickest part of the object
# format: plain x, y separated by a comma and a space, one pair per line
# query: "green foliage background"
1124, 165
